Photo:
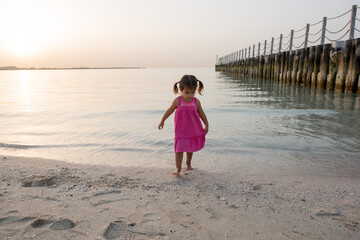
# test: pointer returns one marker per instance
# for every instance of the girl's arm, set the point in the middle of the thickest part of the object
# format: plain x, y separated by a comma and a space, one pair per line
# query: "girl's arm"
203, 116
168, 113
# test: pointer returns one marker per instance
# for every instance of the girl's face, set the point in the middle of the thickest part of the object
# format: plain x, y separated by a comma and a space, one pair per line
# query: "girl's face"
188, 94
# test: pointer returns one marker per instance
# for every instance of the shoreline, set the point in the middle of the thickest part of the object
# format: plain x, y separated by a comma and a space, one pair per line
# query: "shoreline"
50, 199
13, 68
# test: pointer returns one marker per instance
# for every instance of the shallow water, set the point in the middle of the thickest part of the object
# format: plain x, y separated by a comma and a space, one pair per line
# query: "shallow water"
111, 117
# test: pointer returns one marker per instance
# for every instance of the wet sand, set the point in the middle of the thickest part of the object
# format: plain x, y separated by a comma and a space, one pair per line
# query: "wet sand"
46, 199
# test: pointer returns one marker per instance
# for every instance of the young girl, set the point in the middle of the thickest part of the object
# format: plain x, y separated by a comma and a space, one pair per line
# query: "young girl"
189, 132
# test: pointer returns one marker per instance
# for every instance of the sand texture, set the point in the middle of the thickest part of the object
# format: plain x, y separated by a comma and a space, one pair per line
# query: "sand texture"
45, 199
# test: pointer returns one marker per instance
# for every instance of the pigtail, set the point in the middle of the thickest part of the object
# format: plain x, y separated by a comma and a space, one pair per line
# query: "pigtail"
201, 87
175, 88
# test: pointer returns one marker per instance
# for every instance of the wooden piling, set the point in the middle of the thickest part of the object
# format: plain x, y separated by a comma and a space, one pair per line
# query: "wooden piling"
333, 63
295, 66
300, 70
277, 66
289, 66
352, 80
283, 67
261, 67
317, 61
310, 66
324, 66
343, 67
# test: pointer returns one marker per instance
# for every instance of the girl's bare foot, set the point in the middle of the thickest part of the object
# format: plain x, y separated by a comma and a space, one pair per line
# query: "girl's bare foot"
176, 173
188, 167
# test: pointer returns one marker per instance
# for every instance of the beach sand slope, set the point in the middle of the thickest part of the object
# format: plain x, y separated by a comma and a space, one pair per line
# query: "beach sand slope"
46, 199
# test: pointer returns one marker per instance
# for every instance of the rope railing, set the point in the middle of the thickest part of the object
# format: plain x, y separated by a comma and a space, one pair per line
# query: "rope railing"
314, 34
315, 41
339, 15
300, 45
314, 24
287, 42
287, 36
331, 40
300, 36
287, 48
300, 30
277, 45
339, 30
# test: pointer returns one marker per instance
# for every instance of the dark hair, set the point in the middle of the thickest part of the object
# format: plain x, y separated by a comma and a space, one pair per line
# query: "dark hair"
190, 82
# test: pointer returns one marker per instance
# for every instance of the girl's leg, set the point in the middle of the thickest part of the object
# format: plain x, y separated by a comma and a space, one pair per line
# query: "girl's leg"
178, 162
188, 160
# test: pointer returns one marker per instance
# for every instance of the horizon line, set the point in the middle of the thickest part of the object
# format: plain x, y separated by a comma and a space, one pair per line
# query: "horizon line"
64, 68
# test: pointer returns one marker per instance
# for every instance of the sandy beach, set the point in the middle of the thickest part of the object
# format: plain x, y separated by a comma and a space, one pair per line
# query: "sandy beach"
46, 199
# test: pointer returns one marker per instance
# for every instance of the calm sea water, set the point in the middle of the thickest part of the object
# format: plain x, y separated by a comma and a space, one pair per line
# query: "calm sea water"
111, 116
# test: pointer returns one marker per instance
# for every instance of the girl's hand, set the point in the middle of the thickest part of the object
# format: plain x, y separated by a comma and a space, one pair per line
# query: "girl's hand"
206, 129
168, 113
161, 125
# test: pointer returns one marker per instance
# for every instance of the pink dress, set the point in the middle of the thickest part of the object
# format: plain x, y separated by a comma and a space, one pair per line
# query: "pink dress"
189, 132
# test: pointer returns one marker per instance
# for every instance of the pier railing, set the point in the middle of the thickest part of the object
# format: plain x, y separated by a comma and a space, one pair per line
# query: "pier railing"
318, 33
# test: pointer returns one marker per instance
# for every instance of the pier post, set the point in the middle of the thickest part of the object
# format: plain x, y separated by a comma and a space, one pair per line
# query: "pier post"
254, 50
259, 49
265, 47
323, 31
291, 39
249, 51
280, 42
307, 35
352, 22
272, 46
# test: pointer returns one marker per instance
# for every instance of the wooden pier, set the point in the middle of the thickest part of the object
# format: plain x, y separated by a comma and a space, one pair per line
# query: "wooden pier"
332, 66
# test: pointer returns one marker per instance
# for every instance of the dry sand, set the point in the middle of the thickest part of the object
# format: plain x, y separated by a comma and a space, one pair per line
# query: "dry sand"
45, 199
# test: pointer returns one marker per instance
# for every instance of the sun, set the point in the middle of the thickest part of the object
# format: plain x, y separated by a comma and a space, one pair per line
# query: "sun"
25, 29
21, 42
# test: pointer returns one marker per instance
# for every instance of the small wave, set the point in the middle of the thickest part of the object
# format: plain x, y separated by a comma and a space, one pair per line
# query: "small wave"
17, 146
130, 149
24, 146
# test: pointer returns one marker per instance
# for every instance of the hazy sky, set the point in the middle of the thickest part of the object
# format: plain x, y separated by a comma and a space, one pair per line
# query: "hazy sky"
150, 33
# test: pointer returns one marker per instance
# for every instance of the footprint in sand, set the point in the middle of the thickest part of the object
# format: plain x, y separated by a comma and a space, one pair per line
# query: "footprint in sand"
115, 230
62, 224
40, 181
38, 223
15, 219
